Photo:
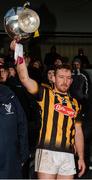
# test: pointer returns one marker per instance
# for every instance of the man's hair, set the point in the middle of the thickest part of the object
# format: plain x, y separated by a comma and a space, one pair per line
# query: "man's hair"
76, 59
63, 66
51, 67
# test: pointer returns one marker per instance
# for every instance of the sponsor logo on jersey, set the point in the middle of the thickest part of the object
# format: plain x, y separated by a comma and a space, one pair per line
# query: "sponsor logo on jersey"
64, 109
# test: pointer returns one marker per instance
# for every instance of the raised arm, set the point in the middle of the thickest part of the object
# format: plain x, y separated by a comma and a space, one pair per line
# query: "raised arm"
30, 84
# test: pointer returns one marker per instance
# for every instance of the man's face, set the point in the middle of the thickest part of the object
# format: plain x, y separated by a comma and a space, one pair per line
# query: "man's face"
77, 65
3, 74
57, 62
50, 75
12, 72
1, 61
63, 80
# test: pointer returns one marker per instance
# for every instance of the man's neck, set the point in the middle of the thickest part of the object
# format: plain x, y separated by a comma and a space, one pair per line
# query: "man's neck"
57, 91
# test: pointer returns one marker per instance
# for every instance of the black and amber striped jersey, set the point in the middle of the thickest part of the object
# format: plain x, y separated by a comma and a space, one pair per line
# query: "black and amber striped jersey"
50, 86
59, 115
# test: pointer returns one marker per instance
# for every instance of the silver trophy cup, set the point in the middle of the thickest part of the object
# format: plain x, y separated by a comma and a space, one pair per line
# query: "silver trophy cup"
21, 22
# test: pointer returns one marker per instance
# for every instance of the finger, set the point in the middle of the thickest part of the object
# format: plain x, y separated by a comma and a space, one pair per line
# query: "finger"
81, 172
17, 38
79, 166
13, 44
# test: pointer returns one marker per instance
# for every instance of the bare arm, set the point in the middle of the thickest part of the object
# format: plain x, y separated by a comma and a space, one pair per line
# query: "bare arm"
79, 144
30, 84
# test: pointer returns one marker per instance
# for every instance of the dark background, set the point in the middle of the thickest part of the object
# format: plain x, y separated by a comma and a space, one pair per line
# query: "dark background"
58, 15
71, 23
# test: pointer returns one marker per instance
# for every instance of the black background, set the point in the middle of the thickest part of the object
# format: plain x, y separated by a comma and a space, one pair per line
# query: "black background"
56, 16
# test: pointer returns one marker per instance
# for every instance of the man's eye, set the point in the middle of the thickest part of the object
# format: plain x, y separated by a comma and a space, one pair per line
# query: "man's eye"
69, 78
61, 77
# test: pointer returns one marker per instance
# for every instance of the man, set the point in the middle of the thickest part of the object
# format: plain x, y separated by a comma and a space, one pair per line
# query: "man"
83, 58
51, 56
81, 90
4, 73
2, 59
61, 131
14, 150
81, 82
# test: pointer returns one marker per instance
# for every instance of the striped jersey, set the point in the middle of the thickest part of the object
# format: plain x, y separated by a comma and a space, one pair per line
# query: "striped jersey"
59, 115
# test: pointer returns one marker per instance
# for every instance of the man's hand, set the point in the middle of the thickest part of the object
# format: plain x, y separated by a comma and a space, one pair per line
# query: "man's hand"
81, 167
18, 51
13, 45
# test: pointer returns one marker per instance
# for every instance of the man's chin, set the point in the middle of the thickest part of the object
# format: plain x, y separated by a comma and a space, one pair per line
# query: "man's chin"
64, 91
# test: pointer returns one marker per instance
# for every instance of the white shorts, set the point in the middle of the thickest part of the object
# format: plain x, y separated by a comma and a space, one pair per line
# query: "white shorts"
53, 162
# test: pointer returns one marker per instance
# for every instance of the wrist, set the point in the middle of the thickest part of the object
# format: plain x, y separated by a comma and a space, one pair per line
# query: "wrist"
20, 60
81, 157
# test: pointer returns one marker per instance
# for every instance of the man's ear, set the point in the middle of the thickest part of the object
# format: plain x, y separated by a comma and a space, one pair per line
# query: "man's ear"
71, 80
